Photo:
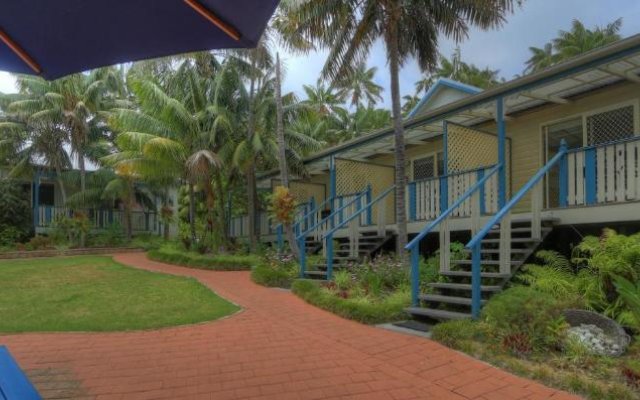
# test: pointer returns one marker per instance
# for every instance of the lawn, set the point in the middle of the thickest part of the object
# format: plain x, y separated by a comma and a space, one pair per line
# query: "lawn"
91, 293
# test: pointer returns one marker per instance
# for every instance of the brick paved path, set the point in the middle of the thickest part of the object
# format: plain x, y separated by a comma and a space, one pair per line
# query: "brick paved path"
277, 348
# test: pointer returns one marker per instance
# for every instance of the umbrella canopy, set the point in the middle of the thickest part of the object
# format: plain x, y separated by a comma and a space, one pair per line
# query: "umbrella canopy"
54, 38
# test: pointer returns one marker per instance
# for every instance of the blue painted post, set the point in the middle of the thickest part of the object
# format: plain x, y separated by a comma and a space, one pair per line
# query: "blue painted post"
329, 240
48, 217
412, 201
369, 196
332, 187
444, 183
415, 275
476, 296
302, 246
444, 194
590, 176
482, 194
280, 238
309, 220
36, 199
502, 139
563, 190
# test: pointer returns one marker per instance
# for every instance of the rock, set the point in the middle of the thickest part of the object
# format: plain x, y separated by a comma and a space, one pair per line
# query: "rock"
595, 339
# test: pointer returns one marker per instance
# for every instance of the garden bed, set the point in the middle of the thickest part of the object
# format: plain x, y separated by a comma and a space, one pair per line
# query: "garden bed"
67, 252
173, 254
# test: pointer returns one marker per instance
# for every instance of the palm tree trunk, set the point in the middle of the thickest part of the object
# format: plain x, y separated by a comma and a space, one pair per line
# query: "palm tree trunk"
63, 191
394, 67
83, 187
251, 171
284, 173
222, 212
192, 213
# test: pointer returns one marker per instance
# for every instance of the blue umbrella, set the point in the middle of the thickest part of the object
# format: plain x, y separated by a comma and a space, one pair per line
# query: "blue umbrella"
54, 38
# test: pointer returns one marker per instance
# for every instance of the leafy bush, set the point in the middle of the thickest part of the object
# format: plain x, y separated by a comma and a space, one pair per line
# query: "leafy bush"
521, 318
111, 236
382, 275
39, 242
282, 205
147, 241
171, 254
70, 230
456, 333
15, 213
362, 309
276, 270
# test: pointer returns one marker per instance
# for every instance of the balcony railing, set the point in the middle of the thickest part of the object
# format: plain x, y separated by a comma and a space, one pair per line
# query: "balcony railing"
141, 221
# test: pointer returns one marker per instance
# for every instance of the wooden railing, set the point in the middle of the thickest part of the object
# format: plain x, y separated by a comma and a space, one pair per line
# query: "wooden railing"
607, 173
141, 221
425, 196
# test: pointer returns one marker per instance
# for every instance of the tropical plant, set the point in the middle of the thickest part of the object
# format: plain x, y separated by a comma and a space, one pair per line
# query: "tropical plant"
360, 87
15, 213
409, 29
630, 294
571, 43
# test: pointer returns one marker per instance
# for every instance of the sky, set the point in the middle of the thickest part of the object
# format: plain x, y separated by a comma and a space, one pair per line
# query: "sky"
505, 49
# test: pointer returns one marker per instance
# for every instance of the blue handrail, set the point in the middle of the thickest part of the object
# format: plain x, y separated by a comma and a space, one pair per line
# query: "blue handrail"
475, 243
329, 235
416, 241
303, 236
357, 214
413, 245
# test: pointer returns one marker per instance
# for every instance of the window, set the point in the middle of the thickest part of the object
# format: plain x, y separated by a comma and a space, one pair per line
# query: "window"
428, 167
610, 126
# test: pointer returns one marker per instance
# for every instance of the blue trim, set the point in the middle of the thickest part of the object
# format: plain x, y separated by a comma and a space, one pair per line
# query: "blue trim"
444, 182
329, 240
369, 209
563, 177
332, 184
302, 247
502, 139
415, 276
476, 294
440, 83
36, 198
280, 238
590, 175
412, 201
479, 176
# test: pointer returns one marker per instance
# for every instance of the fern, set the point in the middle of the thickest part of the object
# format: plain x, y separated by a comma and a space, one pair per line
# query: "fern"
630, 294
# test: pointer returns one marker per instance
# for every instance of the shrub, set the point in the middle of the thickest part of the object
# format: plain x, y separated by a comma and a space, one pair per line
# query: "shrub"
362, 309
147, 241
15, 213
521, 317
276, 270
111, 236
456, 333
173, 255
381, 275
39, 242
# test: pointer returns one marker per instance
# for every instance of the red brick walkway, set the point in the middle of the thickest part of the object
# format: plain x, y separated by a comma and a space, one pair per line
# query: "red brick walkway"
278, 347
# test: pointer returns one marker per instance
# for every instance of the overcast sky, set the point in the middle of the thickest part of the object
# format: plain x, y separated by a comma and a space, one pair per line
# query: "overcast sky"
506, 49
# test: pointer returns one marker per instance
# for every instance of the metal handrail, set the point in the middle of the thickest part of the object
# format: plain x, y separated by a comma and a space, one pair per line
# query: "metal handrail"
332, 215
518, 196
305, 216
357, 214
416, 241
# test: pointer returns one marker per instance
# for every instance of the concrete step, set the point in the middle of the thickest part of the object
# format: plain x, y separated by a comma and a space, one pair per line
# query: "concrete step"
440, 315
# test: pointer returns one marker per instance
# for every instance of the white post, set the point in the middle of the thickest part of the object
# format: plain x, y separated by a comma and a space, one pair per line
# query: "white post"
505, 244
381, 217
536, 211
475, 212
353, 237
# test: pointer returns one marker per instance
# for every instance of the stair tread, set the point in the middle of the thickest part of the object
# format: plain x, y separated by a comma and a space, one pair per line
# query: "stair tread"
519, 230
482, 274
483, 262
513, 240
496, 251
436, 314
447, 299
318, 273
463, 286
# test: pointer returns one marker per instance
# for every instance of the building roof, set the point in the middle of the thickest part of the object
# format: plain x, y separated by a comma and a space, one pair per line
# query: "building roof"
601, 67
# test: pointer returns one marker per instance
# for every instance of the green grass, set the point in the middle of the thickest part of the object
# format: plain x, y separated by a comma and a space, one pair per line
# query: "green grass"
90, 293
171, 254
362, 309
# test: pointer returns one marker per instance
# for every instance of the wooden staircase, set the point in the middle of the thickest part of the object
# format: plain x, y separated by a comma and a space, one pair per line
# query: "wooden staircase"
450, 298
368, 245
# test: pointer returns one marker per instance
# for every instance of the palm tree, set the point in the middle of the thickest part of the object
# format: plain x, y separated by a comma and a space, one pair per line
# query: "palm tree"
167, 139
572, 43
324, 100
541, 58
361, 86
410, 101
408, 28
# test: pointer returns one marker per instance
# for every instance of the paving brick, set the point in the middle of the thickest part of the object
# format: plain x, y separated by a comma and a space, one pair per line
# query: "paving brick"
277, 348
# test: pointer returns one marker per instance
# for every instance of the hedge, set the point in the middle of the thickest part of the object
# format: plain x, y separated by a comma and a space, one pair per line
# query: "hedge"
361, 309
199, 261
265, 275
